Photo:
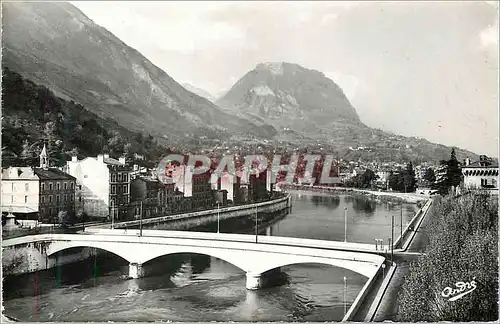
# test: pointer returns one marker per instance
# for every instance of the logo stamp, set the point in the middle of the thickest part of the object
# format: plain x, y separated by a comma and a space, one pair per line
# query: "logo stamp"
462, 289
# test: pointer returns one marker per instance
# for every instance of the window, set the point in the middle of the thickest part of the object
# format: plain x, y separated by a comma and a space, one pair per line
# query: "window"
80, 199
25, 199
58, 186
72, 197
125, 177
43, 186
57, 198
50, 186
119, 177
50, 211
65, 197
12, 187
50, 198
26, 187
79, 187
65, 186
42, 199
113, 189
72, 186
113, 177
125, 189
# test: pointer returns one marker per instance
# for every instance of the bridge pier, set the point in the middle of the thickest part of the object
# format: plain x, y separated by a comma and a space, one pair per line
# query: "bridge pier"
135, 270
269, 278
253, 281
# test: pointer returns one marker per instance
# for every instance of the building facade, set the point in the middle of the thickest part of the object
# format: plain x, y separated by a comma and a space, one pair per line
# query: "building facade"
151, 197
57, 194
482, 174
20, 192
104, 184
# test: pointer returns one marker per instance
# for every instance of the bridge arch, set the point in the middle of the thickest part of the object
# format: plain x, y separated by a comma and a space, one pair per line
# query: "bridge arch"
363, 268
115, 249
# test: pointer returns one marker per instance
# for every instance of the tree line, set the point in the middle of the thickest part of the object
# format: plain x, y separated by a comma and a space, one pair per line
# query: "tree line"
462, 254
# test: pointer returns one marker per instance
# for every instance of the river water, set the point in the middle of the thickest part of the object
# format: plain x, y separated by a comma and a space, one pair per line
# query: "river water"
191, 287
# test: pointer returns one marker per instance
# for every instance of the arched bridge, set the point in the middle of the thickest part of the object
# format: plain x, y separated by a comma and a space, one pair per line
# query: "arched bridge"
242, 251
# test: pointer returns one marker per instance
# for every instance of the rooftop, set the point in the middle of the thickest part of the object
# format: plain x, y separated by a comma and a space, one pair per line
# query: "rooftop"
52, 174
19, 173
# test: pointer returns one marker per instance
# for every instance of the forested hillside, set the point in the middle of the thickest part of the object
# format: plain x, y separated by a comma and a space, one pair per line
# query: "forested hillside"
33, 115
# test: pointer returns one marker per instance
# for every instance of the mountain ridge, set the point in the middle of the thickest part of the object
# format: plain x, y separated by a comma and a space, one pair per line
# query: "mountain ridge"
87, 63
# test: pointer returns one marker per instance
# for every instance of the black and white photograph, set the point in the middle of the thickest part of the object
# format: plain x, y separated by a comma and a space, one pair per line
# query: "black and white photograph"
249, 161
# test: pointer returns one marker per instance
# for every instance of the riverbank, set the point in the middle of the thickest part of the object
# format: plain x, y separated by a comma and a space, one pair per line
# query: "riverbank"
382, 196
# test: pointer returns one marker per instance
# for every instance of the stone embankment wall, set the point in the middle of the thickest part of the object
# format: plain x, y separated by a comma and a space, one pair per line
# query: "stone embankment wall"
188, 220
32, 257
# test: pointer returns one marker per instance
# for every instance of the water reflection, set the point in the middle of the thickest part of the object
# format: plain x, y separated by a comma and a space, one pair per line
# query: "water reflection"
330, 202
364, 205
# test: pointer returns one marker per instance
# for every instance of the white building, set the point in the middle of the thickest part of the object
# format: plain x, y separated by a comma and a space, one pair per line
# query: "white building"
103, 184
482, 174
20, 190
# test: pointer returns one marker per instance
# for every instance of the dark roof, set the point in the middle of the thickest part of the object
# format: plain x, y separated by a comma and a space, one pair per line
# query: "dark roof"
52, 174
482, 164
112, 161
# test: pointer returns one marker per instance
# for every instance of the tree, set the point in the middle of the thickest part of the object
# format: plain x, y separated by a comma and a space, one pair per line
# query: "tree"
430, 176
454, 173
409, 180
27, 153
463, 236
63, 217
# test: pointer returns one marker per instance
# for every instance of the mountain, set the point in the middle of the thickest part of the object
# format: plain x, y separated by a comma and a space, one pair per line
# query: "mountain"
290, 96
54, 44
200, 92
309, 109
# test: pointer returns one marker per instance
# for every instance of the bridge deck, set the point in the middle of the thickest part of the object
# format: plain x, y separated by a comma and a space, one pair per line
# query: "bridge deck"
246, 238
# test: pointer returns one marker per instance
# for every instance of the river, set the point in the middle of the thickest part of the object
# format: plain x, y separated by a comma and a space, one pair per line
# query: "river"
191, 287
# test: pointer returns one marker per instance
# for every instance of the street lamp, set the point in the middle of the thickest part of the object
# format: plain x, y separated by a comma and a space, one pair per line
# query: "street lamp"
401, 240
112, 215
256, 225
392, 237
345, 297
383, 270
218, 217
345, 224
140, 221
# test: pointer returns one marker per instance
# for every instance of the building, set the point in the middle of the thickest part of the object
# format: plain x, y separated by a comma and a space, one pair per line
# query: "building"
104, 183
481, 174
21, 192
38, 193
57, 194
257, 189
221, 197
151, 197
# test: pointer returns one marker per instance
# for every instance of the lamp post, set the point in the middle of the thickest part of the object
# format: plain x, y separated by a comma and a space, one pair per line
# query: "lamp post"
345, 224
218, 217
401, 240
256, 225
140, 221
345, 296
112, 215
392, 237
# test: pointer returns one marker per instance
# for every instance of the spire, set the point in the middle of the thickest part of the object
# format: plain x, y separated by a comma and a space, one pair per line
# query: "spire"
44, 158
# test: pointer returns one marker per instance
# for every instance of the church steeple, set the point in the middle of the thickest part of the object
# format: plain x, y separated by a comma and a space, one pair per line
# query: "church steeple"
44, 159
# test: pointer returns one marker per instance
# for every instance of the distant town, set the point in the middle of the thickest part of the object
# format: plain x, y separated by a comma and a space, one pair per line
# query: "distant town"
103, 188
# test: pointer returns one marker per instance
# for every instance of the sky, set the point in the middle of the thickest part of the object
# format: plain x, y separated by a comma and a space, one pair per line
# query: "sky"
427, 69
